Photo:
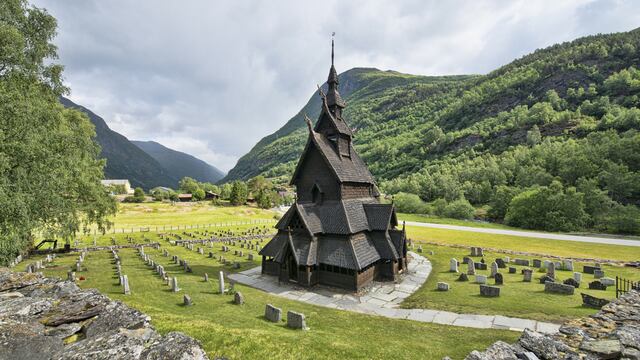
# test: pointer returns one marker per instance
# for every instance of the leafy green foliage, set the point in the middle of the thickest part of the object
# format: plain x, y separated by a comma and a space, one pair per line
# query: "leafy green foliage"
49, 168
569, 113
239, 193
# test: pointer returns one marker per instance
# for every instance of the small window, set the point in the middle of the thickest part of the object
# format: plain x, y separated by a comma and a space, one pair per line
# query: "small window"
316, 194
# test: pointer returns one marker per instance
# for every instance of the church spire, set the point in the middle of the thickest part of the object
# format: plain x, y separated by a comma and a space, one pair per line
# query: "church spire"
334, 100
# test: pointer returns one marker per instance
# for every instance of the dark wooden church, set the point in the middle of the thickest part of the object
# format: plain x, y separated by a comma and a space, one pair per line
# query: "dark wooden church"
337, 233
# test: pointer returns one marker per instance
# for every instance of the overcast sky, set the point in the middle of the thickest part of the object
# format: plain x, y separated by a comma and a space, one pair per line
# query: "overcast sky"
211, 78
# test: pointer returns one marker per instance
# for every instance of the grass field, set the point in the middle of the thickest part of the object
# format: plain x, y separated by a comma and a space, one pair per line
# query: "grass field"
517, 298
239, 332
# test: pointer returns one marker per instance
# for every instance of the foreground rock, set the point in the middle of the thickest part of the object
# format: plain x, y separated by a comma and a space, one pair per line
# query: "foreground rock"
42, 318
612, 333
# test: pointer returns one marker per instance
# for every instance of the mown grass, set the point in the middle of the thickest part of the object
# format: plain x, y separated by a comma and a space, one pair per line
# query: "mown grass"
241, 332
517, 298
448, 221
517, 243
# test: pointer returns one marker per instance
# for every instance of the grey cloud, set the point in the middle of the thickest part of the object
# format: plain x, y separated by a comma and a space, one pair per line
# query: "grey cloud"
212, 78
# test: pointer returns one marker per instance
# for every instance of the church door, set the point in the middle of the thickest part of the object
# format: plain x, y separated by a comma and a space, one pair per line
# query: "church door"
293, 269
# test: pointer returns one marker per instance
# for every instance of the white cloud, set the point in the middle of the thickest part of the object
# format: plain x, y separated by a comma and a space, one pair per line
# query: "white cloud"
212, 78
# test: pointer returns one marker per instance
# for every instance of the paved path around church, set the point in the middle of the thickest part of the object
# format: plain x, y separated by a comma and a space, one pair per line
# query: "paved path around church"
383, 300
541, 235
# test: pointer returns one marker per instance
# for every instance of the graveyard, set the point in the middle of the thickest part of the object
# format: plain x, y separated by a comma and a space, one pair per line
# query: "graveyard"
234, 331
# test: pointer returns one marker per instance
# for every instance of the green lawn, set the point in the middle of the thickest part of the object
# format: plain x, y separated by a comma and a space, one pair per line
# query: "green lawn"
533, 245
448, 221
242, 332
517, 298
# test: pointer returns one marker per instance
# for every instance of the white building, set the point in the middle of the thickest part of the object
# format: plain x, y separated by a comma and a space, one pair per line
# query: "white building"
123, 182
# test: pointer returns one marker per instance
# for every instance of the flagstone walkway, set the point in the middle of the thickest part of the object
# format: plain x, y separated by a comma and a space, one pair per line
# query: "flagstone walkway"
383, 300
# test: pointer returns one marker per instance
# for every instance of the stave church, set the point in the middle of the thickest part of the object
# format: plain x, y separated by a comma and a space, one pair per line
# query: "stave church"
337, 233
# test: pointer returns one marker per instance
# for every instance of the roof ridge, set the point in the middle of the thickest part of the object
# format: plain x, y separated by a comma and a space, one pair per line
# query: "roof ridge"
344, 209
355, 254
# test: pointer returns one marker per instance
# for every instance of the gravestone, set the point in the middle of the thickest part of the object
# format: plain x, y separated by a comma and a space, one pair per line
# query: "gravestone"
174, 284
537, 263
125, 285
442, 286
489, 291
512, 270
598, 273
494, 269
453, 265
71, 276
250, 257
558, 288
463, 277
273, 313
499, 280
206, 277
295, 320
572, 282
419, 248
592, 301
201, 251
527, 274
546, 278
471, 268
221, 282
501, 263
608, 281
551, 270
210, 254
480, 266
78, 266
567, 265
187, 300
597, 285
465, 259
238, 298
521, 262
577, 277
587, 269
481, 279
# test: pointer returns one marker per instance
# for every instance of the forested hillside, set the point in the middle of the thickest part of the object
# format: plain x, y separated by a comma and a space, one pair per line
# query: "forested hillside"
549, 141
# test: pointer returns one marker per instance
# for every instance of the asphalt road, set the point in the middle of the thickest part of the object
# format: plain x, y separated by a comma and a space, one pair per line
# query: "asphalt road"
541, 235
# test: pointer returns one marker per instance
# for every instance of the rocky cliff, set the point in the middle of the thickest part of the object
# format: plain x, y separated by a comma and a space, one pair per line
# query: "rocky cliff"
612, 333
44, 318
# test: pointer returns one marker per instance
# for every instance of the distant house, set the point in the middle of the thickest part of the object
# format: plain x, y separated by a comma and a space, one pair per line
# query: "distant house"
210, 195
185, 197
119, 182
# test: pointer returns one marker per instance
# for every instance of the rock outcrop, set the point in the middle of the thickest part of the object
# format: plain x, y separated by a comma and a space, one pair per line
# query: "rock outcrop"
612, 333
44, 318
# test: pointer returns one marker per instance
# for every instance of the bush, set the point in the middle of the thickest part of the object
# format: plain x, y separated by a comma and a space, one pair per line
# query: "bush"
410, 203
459, 209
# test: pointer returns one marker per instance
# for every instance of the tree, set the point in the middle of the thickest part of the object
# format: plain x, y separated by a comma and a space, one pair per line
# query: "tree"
533, 135
239, 193
259, 183
137, 197
410, 203
50, 169
198, 195
264, 199
459, 209
500, 202
225, 191
189, 185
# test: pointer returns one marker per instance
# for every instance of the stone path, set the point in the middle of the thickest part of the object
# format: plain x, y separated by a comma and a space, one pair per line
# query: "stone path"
532, 234
383, 300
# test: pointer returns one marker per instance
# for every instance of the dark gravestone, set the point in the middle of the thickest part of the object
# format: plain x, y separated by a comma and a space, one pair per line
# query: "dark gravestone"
498, 278
592, 301
546, 278
489, 291
465, 260
463, 277
480, 266
572, 282
521, 262
557, 288
238, 298
512, 270
187, 300
537, 263
501, 264
482, 260
589, 269
273, 313
597, 285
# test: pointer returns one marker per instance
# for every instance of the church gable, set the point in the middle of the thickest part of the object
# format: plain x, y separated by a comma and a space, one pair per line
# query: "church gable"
314, 179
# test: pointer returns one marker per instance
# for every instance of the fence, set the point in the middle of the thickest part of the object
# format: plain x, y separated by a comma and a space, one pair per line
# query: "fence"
623, 286
149, 228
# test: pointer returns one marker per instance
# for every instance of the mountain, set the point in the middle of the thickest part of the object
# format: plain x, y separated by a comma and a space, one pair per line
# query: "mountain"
559, 125
275, 154
180, 164
124, 159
